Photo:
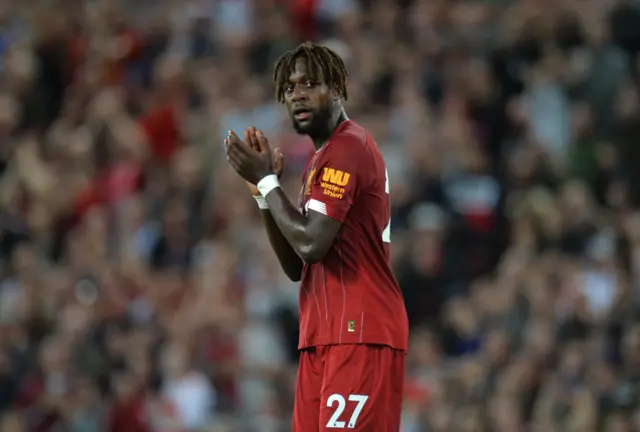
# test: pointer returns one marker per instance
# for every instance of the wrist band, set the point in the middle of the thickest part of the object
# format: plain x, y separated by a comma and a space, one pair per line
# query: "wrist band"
268, 184
262, 202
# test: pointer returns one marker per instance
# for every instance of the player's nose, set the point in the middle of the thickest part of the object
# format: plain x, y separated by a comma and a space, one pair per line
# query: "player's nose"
299, 95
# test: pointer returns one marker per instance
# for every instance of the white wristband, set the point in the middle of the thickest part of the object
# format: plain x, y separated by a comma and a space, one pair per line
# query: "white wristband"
262, 202
268, 184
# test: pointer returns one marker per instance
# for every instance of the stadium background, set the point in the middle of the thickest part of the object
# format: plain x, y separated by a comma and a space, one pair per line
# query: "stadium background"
138, 291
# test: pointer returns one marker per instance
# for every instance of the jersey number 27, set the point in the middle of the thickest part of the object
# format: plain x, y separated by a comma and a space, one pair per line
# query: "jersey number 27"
386, 234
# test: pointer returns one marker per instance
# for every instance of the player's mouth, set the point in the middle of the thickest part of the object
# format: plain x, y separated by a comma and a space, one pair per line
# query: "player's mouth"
302, 114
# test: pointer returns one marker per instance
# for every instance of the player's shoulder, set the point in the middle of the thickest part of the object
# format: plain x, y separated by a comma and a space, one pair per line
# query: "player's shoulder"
350, 138
351, 131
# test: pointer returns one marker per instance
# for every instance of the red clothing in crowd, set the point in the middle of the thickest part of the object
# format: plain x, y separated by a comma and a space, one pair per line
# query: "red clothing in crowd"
303, 17
129, 416
162, 129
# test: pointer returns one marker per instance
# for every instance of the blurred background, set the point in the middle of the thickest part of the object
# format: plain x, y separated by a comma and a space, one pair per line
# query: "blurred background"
138, 291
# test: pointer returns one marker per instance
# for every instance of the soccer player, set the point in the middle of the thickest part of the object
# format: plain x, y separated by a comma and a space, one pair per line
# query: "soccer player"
353, 323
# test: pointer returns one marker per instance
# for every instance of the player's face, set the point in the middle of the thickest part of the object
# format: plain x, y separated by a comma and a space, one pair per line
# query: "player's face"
309, 101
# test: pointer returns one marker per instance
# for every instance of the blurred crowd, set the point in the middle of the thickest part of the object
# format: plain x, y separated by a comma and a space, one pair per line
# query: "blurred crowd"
138, 291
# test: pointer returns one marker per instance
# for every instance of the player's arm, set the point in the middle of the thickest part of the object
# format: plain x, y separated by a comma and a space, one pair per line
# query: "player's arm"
289, 260
332, 190
311, 236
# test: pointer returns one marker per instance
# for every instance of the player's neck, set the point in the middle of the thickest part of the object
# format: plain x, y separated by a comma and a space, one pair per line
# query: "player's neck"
336, 120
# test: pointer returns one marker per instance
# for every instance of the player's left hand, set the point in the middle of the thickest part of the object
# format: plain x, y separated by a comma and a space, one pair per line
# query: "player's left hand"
252, 165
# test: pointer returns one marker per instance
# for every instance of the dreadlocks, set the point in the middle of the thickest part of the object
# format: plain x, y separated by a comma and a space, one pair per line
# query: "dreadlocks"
322, 62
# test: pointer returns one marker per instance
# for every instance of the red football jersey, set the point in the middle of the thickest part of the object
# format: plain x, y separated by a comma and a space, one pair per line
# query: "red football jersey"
351, 296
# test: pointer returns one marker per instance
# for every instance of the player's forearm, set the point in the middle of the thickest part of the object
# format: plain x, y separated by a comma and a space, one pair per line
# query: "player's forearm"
289, 260
293, 226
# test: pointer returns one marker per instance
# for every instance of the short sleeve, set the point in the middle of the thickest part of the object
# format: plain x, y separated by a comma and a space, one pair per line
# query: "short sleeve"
334, 181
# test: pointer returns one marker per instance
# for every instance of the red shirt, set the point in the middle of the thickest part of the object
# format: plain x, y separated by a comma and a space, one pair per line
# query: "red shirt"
128, 416
119, 181
304, 18
162, 129
351, 296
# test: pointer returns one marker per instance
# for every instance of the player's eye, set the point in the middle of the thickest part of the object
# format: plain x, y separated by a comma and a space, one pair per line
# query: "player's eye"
309, 84
289, 88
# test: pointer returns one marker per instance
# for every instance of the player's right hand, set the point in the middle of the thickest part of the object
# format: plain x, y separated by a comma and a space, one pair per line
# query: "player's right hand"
251, 140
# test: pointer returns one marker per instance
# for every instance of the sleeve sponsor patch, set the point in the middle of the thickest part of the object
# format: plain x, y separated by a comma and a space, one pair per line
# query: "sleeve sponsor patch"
333, 182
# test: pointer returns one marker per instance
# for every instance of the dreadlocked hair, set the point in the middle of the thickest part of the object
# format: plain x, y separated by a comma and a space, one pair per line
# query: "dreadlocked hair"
322, 62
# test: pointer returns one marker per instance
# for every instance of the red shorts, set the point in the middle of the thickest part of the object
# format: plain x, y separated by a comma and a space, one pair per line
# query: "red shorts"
357, 387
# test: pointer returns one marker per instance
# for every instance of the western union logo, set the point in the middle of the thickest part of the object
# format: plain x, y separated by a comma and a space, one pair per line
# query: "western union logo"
335, 177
